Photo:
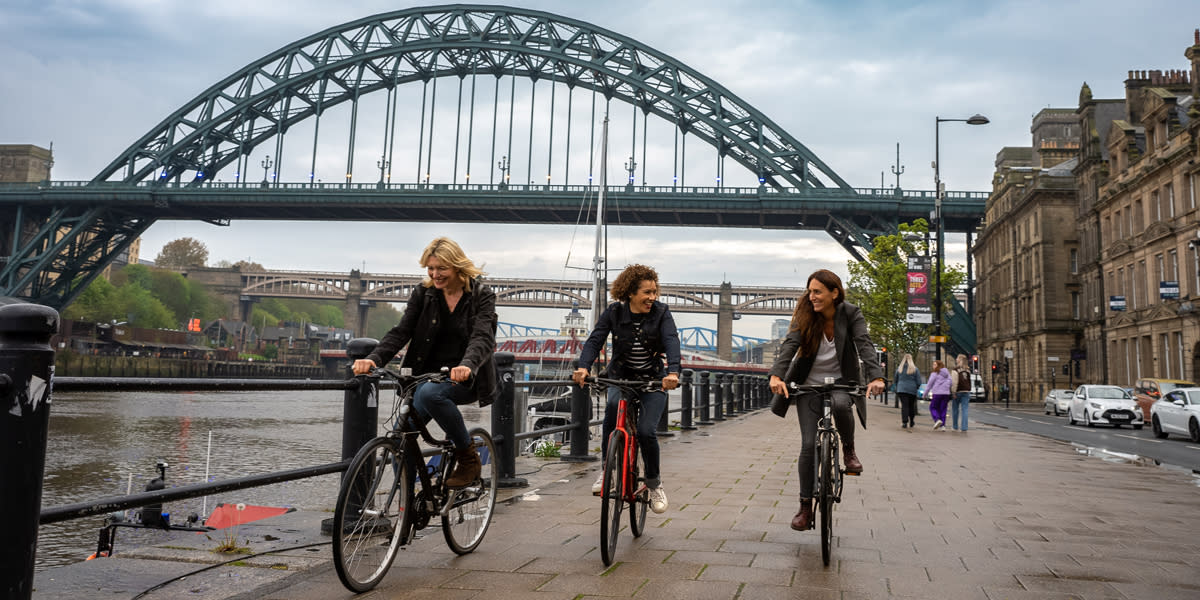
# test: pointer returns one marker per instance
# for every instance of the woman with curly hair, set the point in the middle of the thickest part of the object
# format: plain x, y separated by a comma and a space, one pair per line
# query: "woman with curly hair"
827, 338
644, 334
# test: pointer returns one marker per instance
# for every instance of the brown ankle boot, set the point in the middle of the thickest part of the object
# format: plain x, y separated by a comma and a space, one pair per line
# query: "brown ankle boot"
853, 466
466, 469
803, 520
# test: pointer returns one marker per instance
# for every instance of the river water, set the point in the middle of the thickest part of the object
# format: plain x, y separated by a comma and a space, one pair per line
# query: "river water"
98, 441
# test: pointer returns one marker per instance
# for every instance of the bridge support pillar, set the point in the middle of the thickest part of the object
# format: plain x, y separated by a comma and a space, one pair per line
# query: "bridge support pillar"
725, 323
354, 311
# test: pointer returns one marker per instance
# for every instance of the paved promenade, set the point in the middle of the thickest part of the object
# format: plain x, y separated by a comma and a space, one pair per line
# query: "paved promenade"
987, 514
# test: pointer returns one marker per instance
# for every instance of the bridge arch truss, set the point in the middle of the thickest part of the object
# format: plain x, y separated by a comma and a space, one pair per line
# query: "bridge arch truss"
262, 101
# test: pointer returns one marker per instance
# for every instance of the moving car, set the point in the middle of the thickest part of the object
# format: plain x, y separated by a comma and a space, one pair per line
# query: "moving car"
1058, 401
1147, 391
1177, 412
1105, 405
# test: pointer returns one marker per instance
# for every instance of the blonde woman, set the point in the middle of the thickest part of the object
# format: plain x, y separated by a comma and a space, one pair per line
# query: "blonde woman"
908, 383
450, 321
962, 393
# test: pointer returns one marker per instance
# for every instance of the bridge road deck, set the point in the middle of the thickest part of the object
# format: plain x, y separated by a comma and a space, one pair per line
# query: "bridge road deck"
985, 515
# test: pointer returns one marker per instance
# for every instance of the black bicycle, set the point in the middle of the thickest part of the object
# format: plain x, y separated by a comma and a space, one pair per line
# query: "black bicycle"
624, 468
828, 472
390, 491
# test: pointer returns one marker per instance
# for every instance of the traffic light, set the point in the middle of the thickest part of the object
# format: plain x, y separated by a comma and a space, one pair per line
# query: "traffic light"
995, 367
1067, 369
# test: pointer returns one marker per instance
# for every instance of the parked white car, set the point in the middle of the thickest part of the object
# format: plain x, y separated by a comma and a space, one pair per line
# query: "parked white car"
1058, 401
1104, 405
1177, 412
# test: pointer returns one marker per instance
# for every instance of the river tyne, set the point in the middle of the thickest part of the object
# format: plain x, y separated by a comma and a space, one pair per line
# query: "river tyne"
98, 440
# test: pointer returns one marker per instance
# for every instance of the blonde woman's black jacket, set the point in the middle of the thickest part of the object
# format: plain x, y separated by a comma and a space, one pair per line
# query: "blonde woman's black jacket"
419, 328
852, 343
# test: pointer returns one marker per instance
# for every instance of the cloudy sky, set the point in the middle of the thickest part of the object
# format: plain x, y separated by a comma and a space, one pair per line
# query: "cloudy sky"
850, 80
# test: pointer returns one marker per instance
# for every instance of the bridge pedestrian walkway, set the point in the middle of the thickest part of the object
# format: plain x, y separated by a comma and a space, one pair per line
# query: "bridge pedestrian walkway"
986, 514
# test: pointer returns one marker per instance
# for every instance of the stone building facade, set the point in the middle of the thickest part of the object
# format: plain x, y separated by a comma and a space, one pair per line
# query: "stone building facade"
1090, 251
1027, 298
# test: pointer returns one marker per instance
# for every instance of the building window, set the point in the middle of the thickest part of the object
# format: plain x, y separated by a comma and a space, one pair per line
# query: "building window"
1192, 191
1075, 305
1179, 353
1173, 265
1074, 261
1158, 211
1166, 355
1169, 196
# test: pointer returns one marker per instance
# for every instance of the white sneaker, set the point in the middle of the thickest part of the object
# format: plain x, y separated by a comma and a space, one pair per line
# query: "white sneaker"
658, 500
598, 484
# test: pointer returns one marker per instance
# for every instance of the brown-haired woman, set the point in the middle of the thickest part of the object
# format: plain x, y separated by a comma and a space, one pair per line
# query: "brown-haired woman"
827, 338
644, 334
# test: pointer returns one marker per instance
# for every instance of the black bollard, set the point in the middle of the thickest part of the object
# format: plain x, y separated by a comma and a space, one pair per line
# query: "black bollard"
685, 387
663, 429
580, 417
26, 383
360, 404
705, 396
504, 428
718, 402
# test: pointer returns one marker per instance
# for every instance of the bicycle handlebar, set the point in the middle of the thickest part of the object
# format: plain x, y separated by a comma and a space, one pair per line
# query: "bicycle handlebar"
644, 385
826, 387
409, 379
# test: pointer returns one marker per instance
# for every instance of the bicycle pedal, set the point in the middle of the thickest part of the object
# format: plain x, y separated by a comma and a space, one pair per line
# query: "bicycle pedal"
852, 474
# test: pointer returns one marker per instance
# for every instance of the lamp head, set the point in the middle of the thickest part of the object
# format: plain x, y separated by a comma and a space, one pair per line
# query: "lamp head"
978, 120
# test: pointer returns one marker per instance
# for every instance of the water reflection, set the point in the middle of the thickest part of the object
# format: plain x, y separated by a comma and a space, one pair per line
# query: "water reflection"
100, 442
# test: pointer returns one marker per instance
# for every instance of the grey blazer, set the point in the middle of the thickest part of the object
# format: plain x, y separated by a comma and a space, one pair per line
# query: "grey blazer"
853, 345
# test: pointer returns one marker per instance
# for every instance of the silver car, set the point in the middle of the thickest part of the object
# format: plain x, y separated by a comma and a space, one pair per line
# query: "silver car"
1058, 401
1177, 412
1104, 405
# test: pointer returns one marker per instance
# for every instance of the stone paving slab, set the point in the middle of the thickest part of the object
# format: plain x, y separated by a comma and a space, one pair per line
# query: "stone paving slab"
987, 514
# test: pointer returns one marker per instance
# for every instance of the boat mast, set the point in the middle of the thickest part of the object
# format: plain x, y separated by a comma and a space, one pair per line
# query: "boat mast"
599, 274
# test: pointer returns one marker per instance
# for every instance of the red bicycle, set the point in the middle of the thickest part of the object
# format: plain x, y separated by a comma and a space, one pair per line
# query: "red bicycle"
623, 468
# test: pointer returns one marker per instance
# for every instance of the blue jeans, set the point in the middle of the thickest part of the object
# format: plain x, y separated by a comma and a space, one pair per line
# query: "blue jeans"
653, 405
440, 401
960, 399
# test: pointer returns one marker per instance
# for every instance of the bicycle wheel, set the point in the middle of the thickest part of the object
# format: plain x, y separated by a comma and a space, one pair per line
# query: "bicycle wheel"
612, 497
468, 510
368, 521
825, 496
641, 500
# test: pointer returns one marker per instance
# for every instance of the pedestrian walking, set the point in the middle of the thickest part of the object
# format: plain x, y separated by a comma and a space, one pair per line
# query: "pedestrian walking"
937, 391
908, 382
962, 393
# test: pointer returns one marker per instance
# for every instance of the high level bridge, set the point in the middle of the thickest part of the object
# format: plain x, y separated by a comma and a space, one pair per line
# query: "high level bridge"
457, 113
358, 291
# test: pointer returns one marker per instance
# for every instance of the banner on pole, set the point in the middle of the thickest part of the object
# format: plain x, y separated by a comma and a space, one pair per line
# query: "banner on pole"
920, 309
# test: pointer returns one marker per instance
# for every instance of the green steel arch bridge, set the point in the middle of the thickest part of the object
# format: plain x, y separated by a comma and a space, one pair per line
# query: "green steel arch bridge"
322, 117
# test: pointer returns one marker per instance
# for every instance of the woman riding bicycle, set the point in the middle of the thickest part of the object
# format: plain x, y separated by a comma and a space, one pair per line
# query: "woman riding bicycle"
643, 331
827, 338
450, 321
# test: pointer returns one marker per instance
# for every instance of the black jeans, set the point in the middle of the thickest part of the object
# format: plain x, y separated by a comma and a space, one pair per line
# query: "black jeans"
908, 408
810, 408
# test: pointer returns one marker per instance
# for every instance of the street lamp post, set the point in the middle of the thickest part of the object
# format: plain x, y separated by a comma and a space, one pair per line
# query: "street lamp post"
503, 166
937, 209
266, 164
630, 166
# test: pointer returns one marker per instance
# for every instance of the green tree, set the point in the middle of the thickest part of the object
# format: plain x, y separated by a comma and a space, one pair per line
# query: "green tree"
879, 286
183, 252
140, 308
93, 304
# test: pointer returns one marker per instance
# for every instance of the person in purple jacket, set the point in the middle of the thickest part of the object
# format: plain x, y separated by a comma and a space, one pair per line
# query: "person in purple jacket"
937, 390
